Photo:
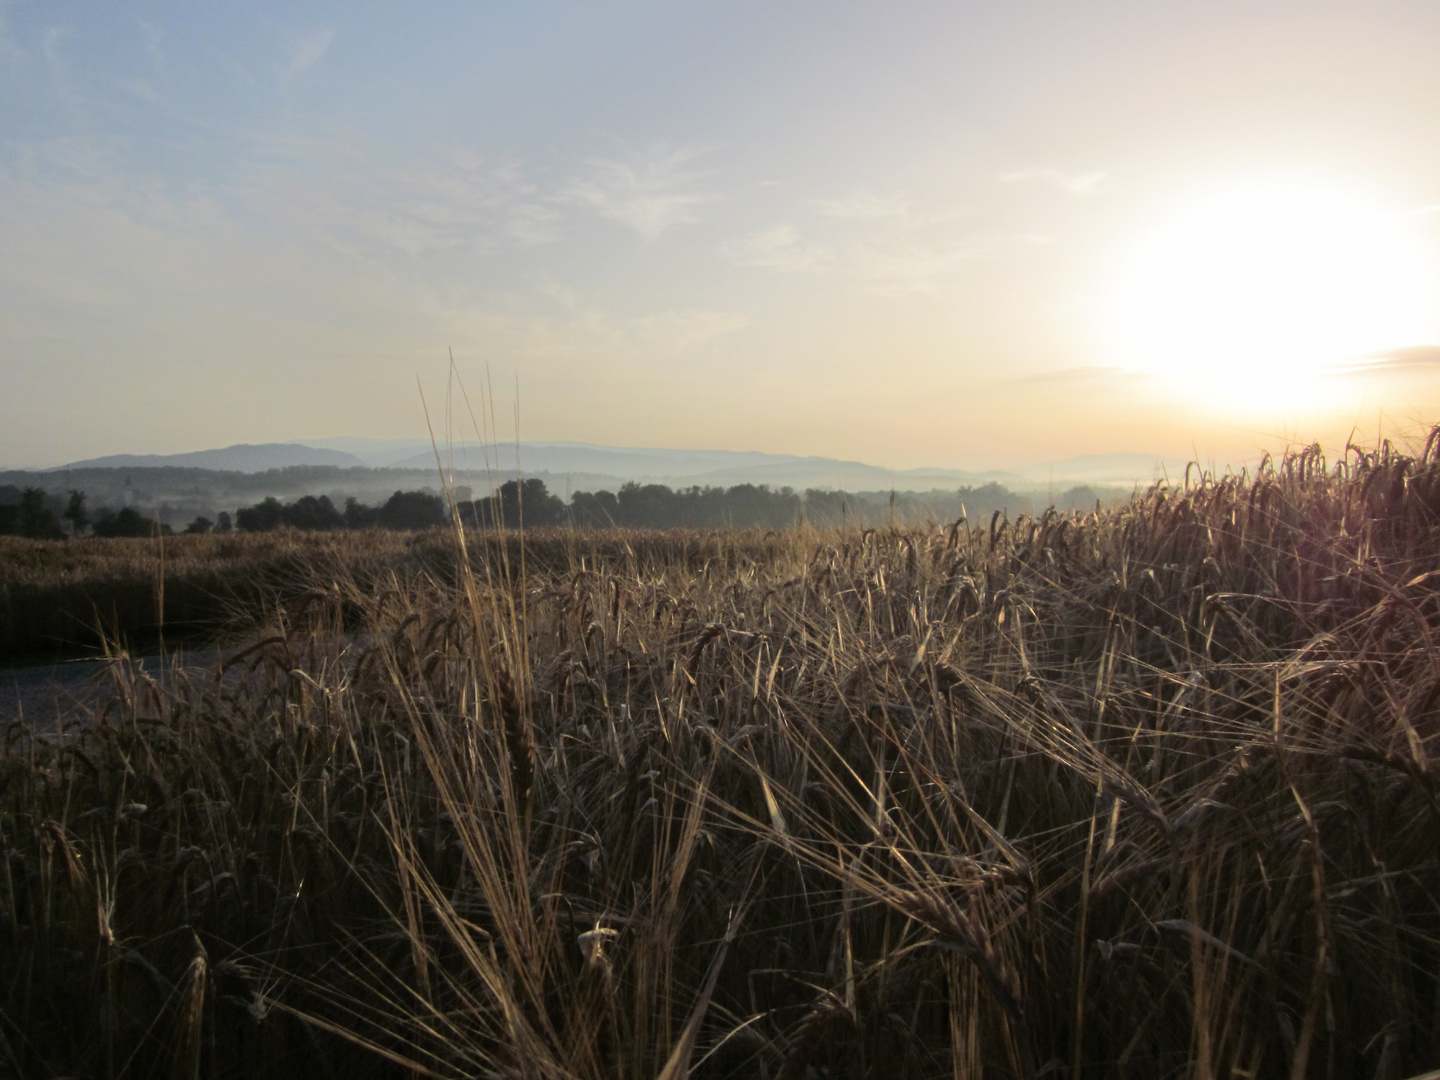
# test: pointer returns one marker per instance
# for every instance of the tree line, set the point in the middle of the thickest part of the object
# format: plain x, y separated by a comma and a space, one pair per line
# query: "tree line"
644, 506
639, 506
38, 515
34, 513
530, 503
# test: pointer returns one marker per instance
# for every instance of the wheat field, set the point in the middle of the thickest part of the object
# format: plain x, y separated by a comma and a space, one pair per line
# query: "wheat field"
1140, 793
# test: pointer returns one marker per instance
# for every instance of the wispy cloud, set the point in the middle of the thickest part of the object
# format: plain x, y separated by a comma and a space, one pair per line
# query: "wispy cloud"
778, 247
154, 40
685, 330
866, 207
1408, 358
337, 192
650, 192
886, 265
917, 270
10, 52
1075, 183
1096, 373
50, 48
668, 332
896, 210
887, 244
64, 83
143, 89
303, 51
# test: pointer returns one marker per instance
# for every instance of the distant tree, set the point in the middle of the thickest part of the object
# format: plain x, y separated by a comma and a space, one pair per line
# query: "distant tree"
647, 506
312, 514
526, 501
200, 526
412, 510
750, 506
9, 509
75, 512
988, 498
36, 520
127, 521
359, 516
264, 516
222, 522
535, 503
594, 509
826, 508
655, 506
1078, 498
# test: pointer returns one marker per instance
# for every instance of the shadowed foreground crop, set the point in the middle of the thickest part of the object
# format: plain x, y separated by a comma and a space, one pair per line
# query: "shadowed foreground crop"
1143, 794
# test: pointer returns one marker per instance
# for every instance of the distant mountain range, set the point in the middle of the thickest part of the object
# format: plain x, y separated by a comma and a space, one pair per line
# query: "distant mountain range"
242, 457
593, 466
651, 465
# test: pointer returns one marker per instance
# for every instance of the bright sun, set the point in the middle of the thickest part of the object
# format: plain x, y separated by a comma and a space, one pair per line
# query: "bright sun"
1256, 292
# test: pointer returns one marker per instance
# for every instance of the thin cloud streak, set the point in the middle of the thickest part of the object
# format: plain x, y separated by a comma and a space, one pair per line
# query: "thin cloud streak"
143, 89
1092, 373
884, 267
1073, 183
897, 211
1408, 358
336, 192
650, 193
50, 48
886, 244
778, 247
154, 43
10, 51
306, 50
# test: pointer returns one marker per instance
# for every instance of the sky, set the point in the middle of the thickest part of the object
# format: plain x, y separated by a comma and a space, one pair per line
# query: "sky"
959, 234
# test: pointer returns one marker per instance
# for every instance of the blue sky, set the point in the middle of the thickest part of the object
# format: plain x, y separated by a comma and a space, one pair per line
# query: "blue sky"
886, 232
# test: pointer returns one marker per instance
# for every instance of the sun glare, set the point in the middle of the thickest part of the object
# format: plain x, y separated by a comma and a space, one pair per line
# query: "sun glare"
1258, 294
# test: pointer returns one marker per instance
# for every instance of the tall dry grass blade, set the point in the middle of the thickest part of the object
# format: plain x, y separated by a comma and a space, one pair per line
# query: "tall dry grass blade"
190, 1016
677, 1066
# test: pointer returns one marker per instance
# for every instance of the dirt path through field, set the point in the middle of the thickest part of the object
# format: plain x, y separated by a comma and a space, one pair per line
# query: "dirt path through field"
42, 695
